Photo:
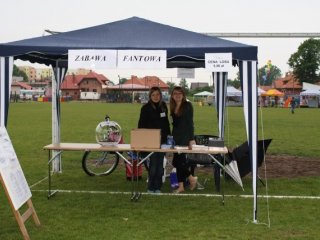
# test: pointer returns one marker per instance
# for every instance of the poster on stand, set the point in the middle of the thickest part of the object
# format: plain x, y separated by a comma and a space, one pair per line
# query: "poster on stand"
11, 172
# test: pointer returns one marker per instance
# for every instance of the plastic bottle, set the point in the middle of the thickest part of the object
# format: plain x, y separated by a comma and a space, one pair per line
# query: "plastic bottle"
173, 179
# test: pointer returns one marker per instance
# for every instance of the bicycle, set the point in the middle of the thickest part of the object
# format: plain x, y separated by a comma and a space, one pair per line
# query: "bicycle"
99, 163
102, 163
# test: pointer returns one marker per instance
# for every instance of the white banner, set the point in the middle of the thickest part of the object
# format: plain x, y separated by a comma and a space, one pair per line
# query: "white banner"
92, 59
218, 62
142, 59
11, 172
185, 73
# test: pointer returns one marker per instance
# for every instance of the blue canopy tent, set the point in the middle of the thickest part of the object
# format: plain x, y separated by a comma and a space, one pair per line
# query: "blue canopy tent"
185, 49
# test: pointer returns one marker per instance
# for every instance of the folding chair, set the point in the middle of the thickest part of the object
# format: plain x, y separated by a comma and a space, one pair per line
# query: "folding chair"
195, 159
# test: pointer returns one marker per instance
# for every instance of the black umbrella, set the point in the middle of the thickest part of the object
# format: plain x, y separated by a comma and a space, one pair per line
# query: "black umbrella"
241, 155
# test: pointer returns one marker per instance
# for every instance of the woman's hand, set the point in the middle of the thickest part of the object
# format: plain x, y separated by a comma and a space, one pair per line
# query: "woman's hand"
192, 142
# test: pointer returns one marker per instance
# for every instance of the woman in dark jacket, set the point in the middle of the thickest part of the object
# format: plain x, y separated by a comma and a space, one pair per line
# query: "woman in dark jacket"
154, 115
183, 134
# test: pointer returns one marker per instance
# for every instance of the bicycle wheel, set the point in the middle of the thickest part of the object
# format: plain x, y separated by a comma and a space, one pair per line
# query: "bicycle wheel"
99, 163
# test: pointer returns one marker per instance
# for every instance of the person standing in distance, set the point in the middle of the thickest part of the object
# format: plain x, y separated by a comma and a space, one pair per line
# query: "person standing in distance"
292, 105
181, 112
154, 115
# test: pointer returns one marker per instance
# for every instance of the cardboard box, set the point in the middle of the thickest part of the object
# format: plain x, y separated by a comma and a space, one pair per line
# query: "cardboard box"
145, 138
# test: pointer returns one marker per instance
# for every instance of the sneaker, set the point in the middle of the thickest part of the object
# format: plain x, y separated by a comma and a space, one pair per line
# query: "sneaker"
150, 191
157, 192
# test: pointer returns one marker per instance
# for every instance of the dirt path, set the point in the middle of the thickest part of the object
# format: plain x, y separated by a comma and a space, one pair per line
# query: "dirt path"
290, 166
285, 166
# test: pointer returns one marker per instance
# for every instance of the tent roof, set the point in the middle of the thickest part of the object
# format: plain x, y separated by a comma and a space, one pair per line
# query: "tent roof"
184, 48
233, 92
204, 93
260, 90
273, 92
310, 92
307, 86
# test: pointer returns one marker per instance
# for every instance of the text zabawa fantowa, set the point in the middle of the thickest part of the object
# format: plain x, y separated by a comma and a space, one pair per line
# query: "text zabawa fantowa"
126, 58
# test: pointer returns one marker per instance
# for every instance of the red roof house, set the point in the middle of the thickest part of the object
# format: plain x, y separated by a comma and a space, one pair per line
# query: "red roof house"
148, 82
289, 85
73, 84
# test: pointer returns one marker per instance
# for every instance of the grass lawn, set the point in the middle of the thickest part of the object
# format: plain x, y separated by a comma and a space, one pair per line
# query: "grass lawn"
74, 214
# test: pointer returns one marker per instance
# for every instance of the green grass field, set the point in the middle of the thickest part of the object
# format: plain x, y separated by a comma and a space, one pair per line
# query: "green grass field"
78, 214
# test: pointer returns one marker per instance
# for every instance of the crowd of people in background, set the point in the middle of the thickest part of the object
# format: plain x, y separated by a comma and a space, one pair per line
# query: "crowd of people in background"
277, 101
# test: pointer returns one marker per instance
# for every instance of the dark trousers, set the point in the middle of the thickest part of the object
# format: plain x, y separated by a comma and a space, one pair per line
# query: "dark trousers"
180, 163
155, 171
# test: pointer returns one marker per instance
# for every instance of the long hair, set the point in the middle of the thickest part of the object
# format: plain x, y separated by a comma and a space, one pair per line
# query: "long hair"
173, 103
152, 90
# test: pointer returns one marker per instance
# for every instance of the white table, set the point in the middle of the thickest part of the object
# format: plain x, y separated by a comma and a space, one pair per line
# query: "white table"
118, 149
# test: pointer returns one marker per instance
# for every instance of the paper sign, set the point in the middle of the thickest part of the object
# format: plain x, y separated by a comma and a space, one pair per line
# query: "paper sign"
218, 62
11, 172
92, 59
185, 73
142, 59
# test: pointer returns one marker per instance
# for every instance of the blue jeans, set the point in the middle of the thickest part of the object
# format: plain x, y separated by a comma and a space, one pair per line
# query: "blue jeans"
155, 171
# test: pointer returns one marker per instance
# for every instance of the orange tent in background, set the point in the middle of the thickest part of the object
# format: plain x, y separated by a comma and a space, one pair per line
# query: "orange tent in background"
273, 93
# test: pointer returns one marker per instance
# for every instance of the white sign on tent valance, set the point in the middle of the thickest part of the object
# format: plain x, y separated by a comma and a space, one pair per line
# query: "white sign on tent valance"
185, 73
142, 59
218, 62
92, 59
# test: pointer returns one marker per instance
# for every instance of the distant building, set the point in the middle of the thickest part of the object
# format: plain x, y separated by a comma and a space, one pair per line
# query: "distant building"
37, 74
31, 72
17, 86
43, 85
17, 79
79, 71
196, 85
92, 82
44, 74
147, 82
136, 89
288, 84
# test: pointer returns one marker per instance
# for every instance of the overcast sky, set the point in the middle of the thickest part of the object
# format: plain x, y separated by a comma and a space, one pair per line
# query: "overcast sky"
21, 19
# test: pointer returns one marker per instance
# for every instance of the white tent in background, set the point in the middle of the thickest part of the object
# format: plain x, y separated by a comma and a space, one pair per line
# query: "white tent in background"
203, 97
310, 98
203, 94
310, 92
260, 91
307, 86
234, 96
233, 92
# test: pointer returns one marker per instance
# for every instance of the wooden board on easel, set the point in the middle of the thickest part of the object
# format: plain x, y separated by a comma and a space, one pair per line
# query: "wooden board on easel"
14, 182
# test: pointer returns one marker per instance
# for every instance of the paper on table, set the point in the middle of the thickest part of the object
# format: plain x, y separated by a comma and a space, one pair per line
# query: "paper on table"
214, 148
123, 146
166, 146
199, 147
181, 147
